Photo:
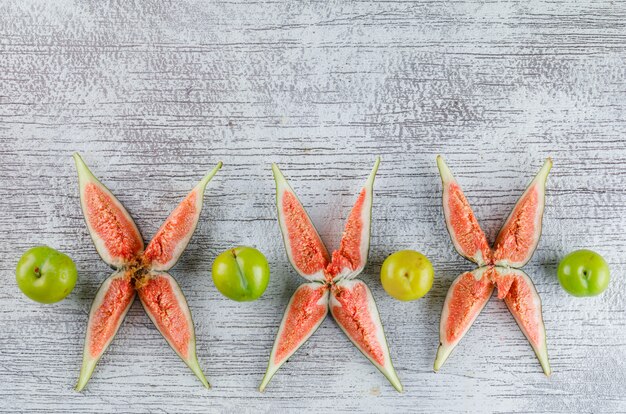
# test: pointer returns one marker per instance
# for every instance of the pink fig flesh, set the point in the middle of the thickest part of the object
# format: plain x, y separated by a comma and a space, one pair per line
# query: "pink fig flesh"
108, 309
305, 312
161, 303
519, 236
466, 298
172, 238
112, 230
167, 307
351, 311
467, 236
307, 250
353, 308
524, 303
110, 224
162, 247
350, 259
348, 256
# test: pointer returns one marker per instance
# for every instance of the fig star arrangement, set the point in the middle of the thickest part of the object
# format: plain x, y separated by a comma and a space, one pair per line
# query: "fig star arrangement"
499, 267
332, 283
138, 271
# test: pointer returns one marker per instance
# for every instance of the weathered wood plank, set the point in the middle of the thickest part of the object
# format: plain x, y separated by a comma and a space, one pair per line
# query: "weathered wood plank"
154, 93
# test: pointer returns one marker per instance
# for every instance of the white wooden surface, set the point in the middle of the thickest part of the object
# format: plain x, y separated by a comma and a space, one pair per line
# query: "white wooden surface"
153, 93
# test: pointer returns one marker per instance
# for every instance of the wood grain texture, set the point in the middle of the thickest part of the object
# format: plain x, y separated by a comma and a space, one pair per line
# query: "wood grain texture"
153, 93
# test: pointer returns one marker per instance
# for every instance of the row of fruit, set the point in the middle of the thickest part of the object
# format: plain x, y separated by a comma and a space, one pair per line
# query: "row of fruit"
242, 273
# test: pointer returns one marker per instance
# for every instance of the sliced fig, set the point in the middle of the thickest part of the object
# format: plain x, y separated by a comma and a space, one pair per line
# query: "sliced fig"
118, 241
351, 257
514, 246
520, 234
304, 247
113, 231
112, 302
305, 311
354, 309
166, 306
467, 236
352, 303
522, 299
172, 238
466, 298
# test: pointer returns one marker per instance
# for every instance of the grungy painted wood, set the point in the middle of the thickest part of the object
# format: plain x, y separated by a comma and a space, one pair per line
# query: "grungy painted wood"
153, 93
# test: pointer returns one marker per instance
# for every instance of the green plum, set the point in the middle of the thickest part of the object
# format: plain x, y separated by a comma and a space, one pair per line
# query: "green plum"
407, 275
583, 273
46, 275
241, 273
